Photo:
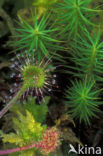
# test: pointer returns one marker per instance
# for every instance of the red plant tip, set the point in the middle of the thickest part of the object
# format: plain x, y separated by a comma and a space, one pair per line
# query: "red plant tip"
50, 141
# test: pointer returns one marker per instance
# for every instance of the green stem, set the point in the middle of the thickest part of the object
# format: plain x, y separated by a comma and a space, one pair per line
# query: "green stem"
93, 55
13, 101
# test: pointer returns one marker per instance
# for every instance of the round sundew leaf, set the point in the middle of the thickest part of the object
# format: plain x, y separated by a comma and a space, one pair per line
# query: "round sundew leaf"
33, 76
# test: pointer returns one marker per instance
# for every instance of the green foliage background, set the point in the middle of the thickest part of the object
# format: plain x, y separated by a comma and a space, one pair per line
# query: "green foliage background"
71, 33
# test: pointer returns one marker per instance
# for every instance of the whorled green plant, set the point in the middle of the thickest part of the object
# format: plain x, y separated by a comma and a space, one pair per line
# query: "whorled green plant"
87, 55
45, 6
39, 36
75, 15
83, 100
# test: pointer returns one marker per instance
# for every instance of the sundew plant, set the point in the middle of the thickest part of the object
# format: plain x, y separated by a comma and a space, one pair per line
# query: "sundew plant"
54, 76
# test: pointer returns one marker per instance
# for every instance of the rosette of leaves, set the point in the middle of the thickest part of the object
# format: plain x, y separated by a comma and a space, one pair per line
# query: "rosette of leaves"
83, 100
75, 15
34, 77
40, 36
27, 131
87, 55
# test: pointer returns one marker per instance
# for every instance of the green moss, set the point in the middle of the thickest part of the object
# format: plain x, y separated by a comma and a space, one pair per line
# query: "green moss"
33, 76
26, 131
39, 112
83, 100
41, 36
75, 15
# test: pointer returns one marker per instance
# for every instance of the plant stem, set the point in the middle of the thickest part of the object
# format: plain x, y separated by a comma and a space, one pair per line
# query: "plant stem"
92, 60
9, 151
13, 101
